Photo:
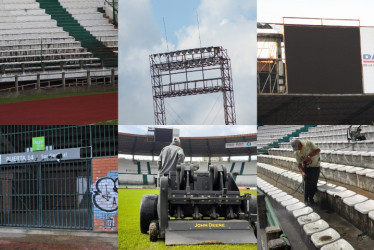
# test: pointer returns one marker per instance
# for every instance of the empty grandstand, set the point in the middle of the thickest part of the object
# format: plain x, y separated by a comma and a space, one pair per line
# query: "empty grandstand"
139, 154
344, 215
57, 43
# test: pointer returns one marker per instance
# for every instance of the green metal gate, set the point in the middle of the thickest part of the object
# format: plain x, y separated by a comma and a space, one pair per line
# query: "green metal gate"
46, 194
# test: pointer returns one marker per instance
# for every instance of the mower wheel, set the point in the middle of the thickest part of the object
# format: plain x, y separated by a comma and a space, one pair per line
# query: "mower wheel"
153, 231
253, 205
148, 211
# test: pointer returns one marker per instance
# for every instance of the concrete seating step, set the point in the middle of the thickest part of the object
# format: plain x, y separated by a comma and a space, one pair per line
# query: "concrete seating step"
308, 218
315, 227
324, 237
302, 211
350, 175
339, 244
295, 206
351, 206
43, 51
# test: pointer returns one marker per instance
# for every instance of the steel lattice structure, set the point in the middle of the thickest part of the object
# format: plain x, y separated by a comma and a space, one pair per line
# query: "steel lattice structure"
192, 72
270, 70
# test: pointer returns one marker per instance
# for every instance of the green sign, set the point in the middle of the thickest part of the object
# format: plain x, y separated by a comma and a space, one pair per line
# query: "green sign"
38, 143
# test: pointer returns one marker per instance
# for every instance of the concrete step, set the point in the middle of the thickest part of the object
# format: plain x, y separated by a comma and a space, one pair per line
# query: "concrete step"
37, 46
44, 35
367, 145
26, 25
46, 57
21, 12
351, 206
350, 175
135, 179
33, 18
31, 30
356, 158
43, 51
315, 230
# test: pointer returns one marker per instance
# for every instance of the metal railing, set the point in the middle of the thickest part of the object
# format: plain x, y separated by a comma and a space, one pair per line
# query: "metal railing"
60, 80
114, 5
48, 194
95, 141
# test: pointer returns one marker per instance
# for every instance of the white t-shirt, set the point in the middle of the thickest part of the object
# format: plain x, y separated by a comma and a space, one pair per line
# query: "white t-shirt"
307, 149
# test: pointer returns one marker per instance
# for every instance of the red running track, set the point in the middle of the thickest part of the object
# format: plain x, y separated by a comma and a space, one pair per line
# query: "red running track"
73, 110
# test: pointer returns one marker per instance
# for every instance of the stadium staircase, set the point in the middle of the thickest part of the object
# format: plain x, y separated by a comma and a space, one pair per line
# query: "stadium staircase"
69, 24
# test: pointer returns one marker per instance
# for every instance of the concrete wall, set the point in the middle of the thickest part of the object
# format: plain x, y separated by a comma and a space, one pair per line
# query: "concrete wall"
105, 182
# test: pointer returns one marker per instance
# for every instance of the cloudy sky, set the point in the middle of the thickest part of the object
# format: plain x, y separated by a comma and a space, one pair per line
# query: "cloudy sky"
227, 23
272, 11
194, 130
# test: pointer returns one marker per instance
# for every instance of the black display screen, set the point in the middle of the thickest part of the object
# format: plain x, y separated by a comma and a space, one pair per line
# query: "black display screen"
323, 59
163, 134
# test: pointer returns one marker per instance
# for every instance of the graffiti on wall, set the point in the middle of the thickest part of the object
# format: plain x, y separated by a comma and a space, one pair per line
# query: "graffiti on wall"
105, 200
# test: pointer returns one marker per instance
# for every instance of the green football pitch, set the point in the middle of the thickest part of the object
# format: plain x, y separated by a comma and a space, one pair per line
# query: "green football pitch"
129, 235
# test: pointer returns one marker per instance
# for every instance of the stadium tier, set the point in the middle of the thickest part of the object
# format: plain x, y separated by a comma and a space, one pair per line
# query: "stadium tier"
316, 231
270, 136
345, 184
144, 172
42, 39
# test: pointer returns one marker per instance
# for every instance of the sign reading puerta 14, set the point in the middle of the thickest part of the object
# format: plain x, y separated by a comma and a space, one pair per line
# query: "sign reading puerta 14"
367, 50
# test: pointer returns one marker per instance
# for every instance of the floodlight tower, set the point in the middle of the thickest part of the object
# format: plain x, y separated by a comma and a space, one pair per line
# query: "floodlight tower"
192, 72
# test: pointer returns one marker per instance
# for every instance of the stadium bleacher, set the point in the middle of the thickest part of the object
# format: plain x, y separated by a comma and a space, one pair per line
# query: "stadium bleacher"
134, 170
141, 172
271, 135
314, 229
345, 184
41, 39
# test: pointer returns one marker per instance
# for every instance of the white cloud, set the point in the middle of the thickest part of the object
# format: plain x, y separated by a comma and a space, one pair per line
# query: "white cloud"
274, 10
222, 23
195, 130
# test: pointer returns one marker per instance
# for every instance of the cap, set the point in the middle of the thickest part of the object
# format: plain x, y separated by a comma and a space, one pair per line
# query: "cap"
176, 139
295, 144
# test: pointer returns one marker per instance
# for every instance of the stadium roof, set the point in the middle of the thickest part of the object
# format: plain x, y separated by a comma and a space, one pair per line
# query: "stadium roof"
193, 146
274, 109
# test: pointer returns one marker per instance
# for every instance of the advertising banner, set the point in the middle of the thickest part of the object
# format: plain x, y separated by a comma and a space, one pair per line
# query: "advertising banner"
367, 57
240, 144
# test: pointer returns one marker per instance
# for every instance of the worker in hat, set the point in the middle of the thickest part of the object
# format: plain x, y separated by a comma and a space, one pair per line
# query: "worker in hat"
170, 156
308, 162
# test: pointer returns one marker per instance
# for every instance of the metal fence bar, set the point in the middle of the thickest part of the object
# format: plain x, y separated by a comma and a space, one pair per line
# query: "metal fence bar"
51, 194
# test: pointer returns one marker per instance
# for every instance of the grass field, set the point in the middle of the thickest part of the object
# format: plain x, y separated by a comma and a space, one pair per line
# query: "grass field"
114, 122
4, 100
129, 235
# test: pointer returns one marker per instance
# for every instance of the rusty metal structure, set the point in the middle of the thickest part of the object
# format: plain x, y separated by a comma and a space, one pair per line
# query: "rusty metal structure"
270, 65
192, 72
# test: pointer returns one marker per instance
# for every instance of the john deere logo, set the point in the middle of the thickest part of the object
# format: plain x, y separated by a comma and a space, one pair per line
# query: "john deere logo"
206, 225
38, 143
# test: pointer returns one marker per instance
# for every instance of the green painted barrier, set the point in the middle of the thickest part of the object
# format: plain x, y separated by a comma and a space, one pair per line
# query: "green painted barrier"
139, 168
149, 167
242, 168
145, 179
232, 167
